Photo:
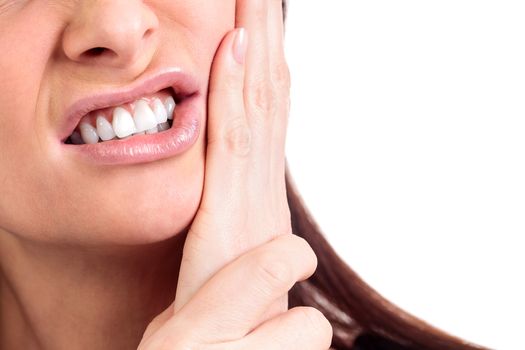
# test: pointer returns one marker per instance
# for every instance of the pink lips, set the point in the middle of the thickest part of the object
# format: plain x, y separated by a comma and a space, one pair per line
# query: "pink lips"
142, 148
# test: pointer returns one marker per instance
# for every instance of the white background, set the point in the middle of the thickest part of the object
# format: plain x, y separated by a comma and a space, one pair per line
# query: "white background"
407, 142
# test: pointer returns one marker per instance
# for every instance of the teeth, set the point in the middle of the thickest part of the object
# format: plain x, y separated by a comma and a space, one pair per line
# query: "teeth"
123, 124
160, 111
164, 126
143, 116
104, 129
88, 133
145, 120
152, 130
169, 104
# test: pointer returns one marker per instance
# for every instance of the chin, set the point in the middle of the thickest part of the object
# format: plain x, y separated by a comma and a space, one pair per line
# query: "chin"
152, 213
148, 203
124, 206
133, 225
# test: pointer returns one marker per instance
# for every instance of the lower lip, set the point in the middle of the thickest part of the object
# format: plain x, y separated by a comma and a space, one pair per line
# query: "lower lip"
149, 148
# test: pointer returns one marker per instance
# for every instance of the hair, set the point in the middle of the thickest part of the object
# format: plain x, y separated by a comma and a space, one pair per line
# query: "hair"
357, 313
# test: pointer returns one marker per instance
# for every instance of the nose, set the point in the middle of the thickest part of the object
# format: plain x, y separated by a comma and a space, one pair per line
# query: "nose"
114, 33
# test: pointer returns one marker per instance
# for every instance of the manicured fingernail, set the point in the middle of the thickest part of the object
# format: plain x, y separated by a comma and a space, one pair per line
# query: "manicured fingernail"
239, 46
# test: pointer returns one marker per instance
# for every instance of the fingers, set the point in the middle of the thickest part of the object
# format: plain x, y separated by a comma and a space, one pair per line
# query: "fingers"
233, 301
253, 15
275, 35
229, 142
279, 75
267, 76
267, 85
158, 322
229, 136
304, 328
244, 201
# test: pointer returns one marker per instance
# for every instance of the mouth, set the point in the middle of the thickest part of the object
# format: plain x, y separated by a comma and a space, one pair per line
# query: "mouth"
148, 115
157, 118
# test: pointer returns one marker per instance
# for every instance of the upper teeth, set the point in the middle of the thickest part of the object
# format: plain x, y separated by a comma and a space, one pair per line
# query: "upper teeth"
161, 115
123, 123
146, 119
104, 128
88, 133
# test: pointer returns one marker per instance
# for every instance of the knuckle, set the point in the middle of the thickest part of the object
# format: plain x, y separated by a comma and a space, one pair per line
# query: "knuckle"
262, 99
274, 272
238, 137
231, 82
281, 76
298, 240
169, 342
318, 325
308, 256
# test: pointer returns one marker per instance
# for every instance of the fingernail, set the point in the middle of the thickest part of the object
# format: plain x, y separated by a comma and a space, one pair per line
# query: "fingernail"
239, 46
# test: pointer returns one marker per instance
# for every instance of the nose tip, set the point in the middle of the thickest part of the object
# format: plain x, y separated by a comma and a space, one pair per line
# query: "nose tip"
113, 32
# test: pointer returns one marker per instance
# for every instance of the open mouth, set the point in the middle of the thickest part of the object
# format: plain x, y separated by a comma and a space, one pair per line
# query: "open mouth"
147, 115
155, 118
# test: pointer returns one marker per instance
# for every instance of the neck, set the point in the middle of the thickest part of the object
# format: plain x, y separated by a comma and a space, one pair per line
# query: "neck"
52, 297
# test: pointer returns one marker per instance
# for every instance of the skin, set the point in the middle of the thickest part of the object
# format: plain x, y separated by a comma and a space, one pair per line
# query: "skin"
113, 257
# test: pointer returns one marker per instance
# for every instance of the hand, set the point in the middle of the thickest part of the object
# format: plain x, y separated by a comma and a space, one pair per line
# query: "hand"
240, 257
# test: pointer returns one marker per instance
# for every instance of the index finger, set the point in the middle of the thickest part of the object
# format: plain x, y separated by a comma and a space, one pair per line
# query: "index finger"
230, 221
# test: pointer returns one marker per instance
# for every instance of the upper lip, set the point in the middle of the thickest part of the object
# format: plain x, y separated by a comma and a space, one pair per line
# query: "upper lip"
181, 82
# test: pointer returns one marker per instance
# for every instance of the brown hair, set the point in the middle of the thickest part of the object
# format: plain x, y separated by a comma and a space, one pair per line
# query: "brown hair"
354, 309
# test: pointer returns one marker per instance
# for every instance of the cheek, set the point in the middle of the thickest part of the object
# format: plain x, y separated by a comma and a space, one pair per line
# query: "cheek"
22, 66
207, 22
134, 205
44, 198
27, 40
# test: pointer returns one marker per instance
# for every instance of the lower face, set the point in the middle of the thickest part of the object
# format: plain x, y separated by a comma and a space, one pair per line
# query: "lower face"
50, 191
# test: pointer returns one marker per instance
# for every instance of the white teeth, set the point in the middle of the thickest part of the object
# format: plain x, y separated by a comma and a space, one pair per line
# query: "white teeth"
88, 133
123, 124
145, 120
104, 129
152, 130
160, 111
164, 126
170, 104
143, 116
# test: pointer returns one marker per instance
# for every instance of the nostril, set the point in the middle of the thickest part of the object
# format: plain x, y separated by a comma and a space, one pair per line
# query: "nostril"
94, 52
147, 34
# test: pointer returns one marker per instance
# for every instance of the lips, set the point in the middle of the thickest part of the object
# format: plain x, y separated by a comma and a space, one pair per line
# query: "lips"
183, 84
183, 133
150, 114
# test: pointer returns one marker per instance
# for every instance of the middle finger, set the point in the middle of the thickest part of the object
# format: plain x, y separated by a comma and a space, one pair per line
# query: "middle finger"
253, 15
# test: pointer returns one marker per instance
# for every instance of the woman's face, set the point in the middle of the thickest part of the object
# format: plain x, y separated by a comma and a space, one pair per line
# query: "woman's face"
52, 58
